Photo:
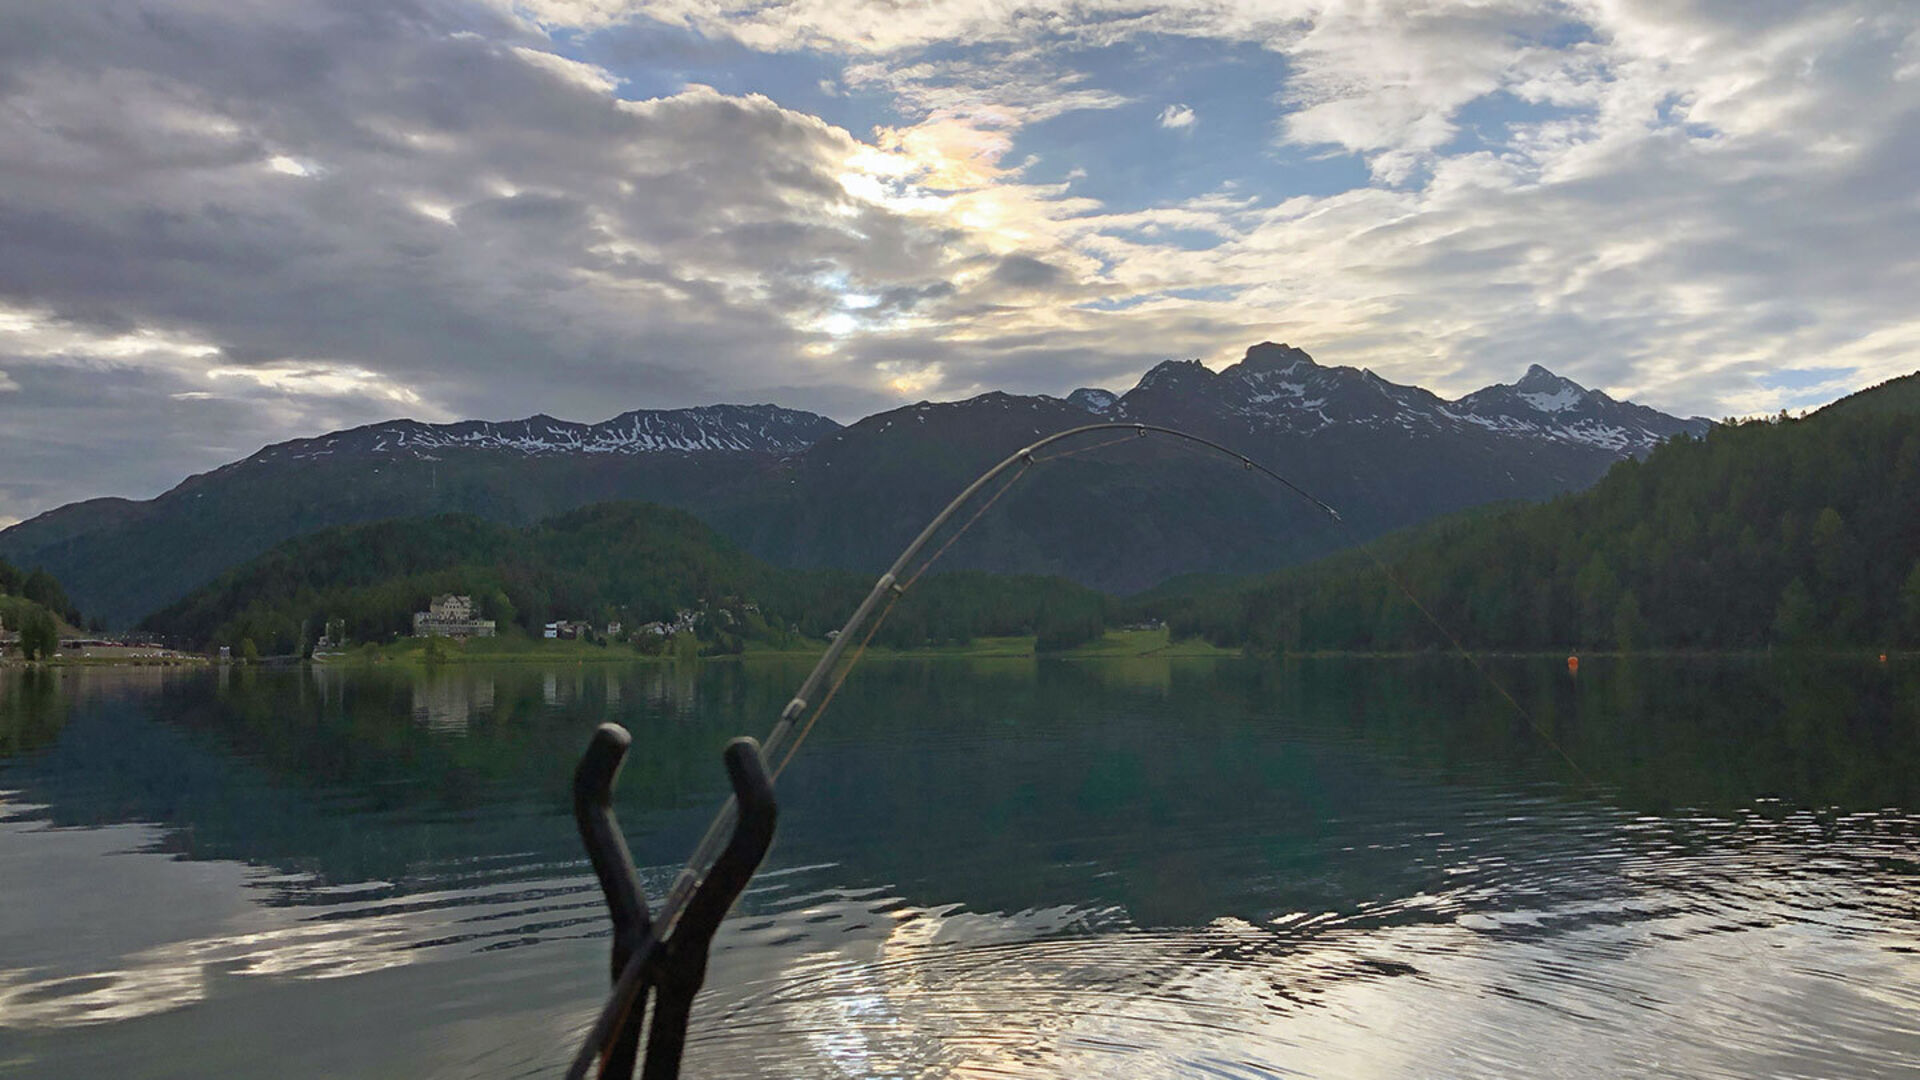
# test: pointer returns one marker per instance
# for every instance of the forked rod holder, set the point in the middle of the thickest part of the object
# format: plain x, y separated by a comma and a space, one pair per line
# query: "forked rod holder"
677, 965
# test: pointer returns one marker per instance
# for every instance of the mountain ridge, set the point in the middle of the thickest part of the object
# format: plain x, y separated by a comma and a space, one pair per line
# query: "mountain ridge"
1281, 385
731, 428
1785, 532
799, 489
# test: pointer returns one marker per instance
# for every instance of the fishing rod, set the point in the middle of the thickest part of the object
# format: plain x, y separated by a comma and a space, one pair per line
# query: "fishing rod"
666, 951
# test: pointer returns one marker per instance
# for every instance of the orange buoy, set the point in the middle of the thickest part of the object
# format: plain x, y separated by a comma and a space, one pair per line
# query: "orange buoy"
1573, 665
1883, 658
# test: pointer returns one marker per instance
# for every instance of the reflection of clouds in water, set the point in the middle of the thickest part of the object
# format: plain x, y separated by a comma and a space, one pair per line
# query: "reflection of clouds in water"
176, 975
1389, 927
155, 932
1235, 999
1716, 963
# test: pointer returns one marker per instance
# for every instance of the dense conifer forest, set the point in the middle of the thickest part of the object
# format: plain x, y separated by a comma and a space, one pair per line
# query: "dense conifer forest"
1763, 533
631, 563
1777, 532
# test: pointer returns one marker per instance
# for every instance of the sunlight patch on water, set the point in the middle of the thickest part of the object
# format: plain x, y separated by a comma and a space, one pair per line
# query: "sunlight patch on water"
306, 868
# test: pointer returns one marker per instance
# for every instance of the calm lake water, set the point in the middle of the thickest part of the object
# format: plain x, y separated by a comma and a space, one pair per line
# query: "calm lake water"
984, 869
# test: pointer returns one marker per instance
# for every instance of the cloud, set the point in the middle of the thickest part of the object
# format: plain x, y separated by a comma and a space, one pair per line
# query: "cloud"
232, 224
1000, 88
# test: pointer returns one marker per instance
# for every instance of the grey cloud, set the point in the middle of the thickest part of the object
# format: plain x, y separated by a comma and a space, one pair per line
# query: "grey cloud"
588, 250
499, 238
99, 429
1026, 272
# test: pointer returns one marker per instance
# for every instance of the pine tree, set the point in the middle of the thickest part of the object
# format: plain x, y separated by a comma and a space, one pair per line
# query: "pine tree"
1794, 618
1629, 627
1910, 607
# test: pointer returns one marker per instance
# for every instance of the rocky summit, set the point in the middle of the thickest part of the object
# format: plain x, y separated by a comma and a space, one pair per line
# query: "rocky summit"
767, 429
801, 490
1280, 388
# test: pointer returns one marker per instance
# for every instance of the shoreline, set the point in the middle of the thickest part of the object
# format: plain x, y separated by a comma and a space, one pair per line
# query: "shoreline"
1114, 645
1120, 644
109, 661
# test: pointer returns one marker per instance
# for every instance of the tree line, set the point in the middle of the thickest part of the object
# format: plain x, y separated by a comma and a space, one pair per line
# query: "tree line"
631, 563
1774, 532
32, 605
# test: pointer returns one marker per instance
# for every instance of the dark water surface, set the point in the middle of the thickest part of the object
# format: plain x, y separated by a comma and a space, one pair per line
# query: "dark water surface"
984, 869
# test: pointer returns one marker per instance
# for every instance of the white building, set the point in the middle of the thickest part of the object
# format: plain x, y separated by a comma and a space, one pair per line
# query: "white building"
450, 616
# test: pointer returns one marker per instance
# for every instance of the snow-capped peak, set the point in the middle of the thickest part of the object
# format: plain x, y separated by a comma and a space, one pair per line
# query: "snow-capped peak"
1093, 399
1543, 404
722, 428
1547, 392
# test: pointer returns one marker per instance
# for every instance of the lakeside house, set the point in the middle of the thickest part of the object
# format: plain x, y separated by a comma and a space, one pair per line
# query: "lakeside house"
451, 616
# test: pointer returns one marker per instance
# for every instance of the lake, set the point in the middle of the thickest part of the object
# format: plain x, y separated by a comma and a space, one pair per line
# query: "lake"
1223, 868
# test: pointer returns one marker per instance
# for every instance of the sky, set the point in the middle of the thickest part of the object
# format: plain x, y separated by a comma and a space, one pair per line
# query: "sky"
225, 223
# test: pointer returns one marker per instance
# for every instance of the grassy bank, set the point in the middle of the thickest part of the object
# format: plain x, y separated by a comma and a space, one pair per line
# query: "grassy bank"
1116, 644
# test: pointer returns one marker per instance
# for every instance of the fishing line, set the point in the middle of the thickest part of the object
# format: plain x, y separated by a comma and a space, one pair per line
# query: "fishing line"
788, 732
1393, 576
1539, 729
962, 530
1102, 444
839, 681
899, 591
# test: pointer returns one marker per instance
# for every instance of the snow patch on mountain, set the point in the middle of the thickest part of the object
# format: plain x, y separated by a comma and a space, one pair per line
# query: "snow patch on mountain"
711, 428
1281, 389
1558, 401
1093, 399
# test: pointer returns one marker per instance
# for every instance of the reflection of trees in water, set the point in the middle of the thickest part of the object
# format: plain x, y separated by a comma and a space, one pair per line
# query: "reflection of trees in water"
31, 712
996, 782
1309, 782
324, 771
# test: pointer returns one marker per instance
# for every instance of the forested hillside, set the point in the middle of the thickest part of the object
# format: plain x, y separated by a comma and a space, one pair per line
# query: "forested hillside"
1772, 532
797, 490
33, 606
630, 562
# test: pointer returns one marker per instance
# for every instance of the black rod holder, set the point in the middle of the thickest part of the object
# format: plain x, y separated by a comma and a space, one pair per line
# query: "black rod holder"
676, 966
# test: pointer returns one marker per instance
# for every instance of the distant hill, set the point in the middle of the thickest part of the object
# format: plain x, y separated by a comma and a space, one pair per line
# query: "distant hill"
1781, 532
125, 559
1901, 395
1388, 456
798, 490
627, 562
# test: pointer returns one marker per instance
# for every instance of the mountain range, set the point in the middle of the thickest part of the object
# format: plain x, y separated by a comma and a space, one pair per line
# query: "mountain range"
801, 490
1768, 533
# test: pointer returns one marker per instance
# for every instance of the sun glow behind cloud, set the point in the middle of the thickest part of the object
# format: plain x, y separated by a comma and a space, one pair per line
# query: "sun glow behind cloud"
554, 205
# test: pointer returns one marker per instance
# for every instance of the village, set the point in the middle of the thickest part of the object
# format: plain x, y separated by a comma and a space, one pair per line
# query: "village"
92, 645
450, 616
454, 615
